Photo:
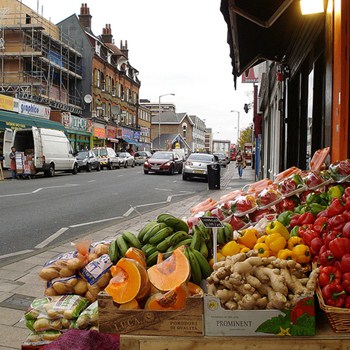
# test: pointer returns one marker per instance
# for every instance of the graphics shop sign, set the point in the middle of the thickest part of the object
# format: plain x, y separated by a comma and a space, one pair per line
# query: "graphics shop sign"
34, 110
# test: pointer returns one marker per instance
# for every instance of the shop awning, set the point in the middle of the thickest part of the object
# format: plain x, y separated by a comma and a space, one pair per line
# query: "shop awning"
130, 141
82, 133
264, 30
14, 120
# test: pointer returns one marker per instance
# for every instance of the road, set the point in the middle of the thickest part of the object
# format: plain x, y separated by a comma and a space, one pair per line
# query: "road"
44, 211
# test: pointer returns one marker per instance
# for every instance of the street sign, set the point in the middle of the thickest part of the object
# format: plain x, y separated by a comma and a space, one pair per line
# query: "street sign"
211, 222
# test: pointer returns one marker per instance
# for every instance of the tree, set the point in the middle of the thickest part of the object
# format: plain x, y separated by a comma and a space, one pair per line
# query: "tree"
245, 136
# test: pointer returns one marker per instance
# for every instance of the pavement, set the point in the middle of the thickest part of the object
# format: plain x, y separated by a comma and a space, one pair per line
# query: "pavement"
20, 282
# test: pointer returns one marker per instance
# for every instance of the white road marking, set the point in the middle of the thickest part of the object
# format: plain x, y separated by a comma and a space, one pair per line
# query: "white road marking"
51, 238
36, 191
91, 180
15, 194
94, 222
16, 253
129, 211
163, 189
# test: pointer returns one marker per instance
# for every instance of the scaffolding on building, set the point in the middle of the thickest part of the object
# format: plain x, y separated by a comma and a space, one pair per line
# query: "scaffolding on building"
38, 62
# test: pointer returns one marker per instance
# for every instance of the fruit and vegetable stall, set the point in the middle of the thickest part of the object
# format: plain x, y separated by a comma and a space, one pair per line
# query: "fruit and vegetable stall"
277, 265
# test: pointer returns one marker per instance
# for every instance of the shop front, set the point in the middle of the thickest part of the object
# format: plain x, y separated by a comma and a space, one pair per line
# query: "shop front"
78, 130
98, 135
112, 141
127, 139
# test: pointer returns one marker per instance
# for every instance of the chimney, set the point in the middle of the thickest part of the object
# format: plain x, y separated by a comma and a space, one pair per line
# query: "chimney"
85, 17
107, 36
124, 48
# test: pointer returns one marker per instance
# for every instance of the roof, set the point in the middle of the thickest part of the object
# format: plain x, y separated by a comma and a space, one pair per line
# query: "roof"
115, 49
169, 138
170, 117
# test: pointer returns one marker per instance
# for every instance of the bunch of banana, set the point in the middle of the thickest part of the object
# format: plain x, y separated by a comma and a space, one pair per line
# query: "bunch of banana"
224, 234
200, 268
174, 222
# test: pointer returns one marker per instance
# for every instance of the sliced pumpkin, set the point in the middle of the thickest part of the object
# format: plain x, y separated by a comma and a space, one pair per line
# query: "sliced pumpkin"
130, 305
171, 272
145, 289
126, 281
136, 254
174, 299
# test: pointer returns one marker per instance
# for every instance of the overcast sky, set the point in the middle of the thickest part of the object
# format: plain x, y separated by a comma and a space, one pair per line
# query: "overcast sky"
178, 46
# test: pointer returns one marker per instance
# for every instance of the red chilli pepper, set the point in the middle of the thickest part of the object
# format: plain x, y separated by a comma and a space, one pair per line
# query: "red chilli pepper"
334, 295
329, 275
339, 247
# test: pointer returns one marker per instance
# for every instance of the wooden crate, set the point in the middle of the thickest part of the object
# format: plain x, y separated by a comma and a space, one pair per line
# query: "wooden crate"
186, 322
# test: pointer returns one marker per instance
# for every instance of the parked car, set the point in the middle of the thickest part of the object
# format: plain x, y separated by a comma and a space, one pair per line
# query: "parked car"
126, 159
163, 162
107, 157
88, 161
196, 165
141, 156
223, 160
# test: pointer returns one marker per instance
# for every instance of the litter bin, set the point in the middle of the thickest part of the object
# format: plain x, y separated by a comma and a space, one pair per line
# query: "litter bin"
213, 176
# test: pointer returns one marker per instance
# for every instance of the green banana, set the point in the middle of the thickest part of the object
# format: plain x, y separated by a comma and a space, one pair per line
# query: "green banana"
204, 249
181, 226
205, 231
152, 259
150, 250
196, 240
174, 222
221, 238
165, 244
151, 232
178, 237
206, 270
131, 239
228, 231
122, 246
146, 246
113, 252
161, 235
144, 230
164, 216
196, 272
185, 242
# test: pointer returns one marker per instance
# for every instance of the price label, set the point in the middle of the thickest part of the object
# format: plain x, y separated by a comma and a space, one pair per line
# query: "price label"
211, 222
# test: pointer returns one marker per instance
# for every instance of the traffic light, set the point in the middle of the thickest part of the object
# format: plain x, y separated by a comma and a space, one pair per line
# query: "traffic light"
246, 108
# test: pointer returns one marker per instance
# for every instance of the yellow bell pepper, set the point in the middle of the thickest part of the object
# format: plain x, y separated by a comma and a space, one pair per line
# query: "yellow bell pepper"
293, 241
261, 239
276, 226
230, 248
244, 250
262, 249
302, 253
275, 242
285, 254
248, 237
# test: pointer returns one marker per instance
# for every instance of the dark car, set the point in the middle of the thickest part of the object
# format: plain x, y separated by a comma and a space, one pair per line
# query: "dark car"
87, 161
141, 157
163, 162
223, 160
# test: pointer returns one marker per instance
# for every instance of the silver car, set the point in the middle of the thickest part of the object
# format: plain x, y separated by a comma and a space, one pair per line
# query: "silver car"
141, 157
126, 159
196, 165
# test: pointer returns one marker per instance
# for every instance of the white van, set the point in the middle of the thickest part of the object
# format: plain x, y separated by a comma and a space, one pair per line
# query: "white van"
51, 149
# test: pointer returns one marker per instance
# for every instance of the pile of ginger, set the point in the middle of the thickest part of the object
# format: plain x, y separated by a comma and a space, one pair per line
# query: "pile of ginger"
246, 281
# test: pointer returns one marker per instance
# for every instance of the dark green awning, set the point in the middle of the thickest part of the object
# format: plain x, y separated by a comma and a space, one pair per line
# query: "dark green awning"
20, 121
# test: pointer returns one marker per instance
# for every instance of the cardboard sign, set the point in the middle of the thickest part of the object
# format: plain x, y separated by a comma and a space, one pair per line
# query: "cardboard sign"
211, 222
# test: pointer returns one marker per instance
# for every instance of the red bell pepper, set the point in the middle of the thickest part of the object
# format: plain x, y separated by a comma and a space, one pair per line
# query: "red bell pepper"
307, 233
346, 230
329, 275
323, 213
315, 245
326, 258
345, 263
321, 224
339, 247
335, 208
294, 220
330, 236
306, 218
334, 295
346, 282
337, 222
347, 302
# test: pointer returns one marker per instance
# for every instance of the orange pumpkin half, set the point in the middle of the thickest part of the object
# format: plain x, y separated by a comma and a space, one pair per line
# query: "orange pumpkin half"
171, 272
126, 281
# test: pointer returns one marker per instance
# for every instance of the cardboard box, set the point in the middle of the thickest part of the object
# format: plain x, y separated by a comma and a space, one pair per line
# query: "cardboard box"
300, 321
186, 322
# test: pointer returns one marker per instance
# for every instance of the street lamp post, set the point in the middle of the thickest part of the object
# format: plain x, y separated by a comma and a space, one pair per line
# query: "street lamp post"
238, 115
159, 117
